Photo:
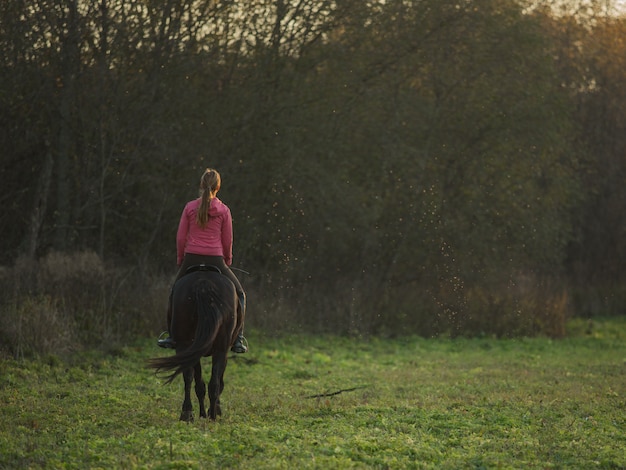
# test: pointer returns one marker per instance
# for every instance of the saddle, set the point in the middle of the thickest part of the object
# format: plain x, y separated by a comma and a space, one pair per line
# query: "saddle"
202, 267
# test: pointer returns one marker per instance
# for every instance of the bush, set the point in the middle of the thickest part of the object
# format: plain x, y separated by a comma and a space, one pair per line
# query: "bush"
36, 326
67, 301
527, 307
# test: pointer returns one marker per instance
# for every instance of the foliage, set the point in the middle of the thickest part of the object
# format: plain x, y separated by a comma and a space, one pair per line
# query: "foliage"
413, 403
73, 301
425, 165
599, 257
67, 302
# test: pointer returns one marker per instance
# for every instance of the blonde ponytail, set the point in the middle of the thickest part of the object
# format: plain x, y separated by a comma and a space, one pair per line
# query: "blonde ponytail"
210, 183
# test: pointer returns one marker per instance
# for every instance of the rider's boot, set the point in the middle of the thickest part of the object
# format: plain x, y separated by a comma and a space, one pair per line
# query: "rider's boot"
165, 340
239, 346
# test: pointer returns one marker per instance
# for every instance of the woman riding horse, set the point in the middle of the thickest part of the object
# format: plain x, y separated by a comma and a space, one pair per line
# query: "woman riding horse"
205, 237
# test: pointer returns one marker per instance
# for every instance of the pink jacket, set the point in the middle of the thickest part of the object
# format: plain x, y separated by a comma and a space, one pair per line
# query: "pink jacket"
215, 239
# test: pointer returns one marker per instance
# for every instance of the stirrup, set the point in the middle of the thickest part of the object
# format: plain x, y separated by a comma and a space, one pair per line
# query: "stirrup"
238, 346
166, 341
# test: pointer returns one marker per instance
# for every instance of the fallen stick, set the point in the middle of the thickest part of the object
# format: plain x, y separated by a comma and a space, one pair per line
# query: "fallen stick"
332, 394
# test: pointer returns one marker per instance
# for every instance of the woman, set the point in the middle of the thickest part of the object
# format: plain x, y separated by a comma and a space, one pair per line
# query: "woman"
205, 236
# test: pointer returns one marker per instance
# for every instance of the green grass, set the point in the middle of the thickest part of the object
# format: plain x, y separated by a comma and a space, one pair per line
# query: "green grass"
417, 403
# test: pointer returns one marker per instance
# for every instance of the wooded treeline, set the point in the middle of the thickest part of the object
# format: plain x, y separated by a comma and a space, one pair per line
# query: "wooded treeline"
420, 166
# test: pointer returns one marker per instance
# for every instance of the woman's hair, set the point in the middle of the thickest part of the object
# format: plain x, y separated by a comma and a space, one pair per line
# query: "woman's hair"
209, 186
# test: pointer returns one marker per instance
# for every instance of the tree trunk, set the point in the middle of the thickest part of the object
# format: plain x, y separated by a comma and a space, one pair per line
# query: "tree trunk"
66, 144
40, 204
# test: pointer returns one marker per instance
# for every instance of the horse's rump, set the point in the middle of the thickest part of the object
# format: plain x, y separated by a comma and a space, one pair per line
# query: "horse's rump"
204, 320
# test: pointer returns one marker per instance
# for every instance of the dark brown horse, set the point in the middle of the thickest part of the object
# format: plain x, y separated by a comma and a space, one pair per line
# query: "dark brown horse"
205, 322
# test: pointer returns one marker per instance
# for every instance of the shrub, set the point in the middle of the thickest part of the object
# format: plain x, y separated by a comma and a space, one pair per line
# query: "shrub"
36, 326
526, 306
70, 300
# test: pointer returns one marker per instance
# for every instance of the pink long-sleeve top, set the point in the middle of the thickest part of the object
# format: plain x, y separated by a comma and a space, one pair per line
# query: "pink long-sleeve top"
215, 239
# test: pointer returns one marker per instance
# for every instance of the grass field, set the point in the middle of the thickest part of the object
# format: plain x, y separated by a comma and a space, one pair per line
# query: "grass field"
406, 403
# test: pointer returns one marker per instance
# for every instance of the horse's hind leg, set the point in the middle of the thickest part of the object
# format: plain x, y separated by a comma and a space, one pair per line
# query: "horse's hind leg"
216, 384
187, 413
200, 388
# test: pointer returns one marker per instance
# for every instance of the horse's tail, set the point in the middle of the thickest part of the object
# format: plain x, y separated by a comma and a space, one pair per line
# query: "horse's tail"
209, 322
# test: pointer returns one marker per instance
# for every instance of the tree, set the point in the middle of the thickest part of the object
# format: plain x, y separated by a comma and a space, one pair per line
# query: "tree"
598, 259
412, 161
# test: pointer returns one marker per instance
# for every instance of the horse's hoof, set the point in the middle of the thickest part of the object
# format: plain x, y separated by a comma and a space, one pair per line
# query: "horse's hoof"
215, 411
186, 416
